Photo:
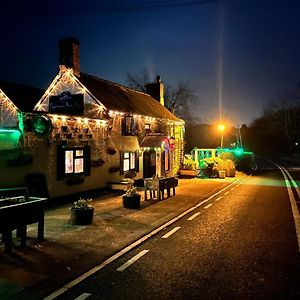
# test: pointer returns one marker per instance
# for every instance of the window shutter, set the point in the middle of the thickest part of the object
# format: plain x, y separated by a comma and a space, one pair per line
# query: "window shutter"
87, 160
137, 165
121, 162
60, 163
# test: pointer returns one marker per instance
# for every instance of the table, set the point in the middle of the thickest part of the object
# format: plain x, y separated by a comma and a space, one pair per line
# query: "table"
159, 186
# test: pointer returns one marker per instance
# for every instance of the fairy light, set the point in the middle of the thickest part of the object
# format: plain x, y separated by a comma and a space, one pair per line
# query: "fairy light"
113, 113
8, 104
65, 77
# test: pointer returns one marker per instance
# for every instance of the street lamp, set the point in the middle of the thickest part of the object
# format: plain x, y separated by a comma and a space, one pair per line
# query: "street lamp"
221, 128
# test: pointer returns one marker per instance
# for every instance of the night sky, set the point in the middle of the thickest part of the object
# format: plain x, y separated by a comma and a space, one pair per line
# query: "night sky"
237, 55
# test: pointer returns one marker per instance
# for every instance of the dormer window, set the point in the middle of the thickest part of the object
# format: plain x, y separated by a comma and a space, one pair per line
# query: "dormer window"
128, 125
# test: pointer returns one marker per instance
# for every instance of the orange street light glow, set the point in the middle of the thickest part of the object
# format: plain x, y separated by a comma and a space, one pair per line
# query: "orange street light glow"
221, 127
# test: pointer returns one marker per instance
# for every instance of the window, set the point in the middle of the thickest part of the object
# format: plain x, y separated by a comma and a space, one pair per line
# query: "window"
73, 161
147, 127
167, 160
129, 161
128, 126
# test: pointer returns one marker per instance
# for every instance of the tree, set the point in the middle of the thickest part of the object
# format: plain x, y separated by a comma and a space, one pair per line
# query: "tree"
178, 99
278, 128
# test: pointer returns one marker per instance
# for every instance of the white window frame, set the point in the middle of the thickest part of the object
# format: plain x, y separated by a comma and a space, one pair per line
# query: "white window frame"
129, 160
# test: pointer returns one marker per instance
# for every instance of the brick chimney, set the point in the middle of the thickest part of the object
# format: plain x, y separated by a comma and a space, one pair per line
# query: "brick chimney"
69, 54
156, 90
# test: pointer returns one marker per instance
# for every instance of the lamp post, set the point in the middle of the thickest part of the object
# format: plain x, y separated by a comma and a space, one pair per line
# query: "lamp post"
221, 128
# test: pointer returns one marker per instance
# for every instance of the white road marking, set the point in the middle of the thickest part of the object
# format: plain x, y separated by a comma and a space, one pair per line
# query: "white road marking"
138, 242
226, 193
170, 232
207, 206
193, 216
132, 260
83, 296
295, 210
232, 189
219, 198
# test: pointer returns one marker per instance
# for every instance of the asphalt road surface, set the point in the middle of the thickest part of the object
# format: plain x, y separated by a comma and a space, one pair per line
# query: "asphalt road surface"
239, 244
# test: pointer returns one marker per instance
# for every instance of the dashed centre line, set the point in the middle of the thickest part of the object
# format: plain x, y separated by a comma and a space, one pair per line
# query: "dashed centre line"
219, 198
132, 260
226, 193
83, 296
193, 216
207, 206
170, 232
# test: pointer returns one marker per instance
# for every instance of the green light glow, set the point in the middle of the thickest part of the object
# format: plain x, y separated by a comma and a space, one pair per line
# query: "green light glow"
21, 122
9, 138
238, 151
41, 125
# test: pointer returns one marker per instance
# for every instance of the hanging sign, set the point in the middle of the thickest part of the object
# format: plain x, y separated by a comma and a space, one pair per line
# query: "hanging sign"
66, 104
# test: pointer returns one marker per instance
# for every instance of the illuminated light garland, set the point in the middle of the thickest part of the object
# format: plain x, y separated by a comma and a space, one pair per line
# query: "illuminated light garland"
8, 104
113, 113
65, 75
79, 120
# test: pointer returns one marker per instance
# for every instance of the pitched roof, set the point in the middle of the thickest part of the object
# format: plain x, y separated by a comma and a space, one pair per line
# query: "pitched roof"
24, 97
120, 98
153, 140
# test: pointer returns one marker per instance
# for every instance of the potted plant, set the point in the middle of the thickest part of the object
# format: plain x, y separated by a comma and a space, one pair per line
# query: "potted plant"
131, 198
82, 212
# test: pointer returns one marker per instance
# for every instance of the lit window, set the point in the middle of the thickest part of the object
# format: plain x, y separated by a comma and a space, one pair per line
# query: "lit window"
128, 161
132, 160
69, 162
73, 161
78, 165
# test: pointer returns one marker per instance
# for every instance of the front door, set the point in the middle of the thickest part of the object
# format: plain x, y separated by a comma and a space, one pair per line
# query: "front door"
149, 163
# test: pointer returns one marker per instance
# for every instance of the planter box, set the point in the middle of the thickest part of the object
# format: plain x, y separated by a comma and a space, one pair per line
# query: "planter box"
131, 201
81, 216
17, 213
187, 173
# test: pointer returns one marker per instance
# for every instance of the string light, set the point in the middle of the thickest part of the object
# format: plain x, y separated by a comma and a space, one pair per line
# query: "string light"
65, 77
113, 113
8, 104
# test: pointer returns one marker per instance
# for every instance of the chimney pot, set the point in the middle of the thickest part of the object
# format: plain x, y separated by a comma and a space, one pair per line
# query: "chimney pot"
156, 90
69, 54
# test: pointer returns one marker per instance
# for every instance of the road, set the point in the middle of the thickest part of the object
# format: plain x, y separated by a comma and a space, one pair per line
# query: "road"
238, 244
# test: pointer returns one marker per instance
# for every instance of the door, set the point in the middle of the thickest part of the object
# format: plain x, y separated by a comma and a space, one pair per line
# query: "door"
149, 163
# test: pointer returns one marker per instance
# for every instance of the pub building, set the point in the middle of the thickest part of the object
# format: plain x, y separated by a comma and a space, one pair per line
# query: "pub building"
86, 133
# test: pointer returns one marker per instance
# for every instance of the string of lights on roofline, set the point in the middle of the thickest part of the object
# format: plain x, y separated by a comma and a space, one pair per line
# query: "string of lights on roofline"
8, 104
112, 113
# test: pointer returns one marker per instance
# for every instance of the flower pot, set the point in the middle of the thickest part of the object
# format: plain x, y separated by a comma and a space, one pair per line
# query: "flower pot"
81, 216
131, 201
